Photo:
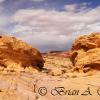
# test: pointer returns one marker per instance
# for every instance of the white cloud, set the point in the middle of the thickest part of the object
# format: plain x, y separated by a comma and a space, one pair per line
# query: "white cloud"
52, 29
4, 18
77, 7
1, 1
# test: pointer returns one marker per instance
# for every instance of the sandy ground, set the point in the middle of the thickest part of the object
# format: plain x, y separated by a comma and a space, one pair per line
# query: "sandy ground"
55, 82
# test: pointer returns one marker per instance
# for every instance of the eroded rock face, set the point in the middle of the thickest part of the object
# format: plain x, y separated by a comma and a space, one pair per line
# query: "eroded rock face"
18, 55
86, 52
87, 42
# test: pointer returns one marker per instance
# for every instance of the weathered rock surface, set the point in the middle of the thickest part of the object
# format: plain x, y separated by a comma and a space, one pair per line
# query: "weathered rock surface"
41, 86
86, 52
16, 55
55, 82
57, 65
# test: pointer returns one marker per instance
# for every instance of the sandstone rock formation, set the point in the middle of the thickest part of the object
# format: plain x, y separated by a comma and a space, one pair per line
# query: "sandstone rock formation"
53, 85
86, 52
16, 55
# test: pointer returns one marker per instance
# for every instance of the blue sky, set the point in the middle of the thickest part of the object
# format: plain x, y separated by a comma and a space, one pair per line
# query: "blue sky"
49, 24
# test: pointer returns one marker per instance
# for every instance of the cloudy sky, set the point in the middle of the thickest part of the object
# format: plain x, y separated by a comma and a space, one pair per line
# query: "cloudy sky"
49, 24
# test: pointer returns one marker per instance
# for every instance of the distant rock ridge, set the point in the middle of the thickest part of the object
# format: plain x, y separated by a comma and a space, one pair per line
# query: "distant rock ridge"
17, 55
64, 54
86, 52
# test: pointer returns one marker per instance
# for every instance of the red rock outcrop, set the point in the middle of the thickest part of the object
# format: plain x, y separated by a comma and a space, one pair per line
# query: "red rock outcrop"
16, 55
86, 52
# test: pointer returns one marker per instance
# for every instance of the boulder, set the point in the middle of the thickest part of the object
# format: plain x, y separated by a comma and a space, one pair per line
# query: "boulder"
86, 52
18, 55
